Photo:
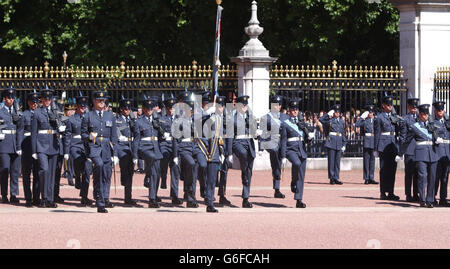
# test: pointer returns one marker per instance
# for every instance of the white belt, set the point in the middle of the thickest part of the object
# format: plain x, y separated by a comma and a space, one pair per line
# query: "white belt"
150, 138
295, 139
187, 140
369, 134
244, 137
47, 132
76, 136
335, 134
11, 132
388, 133
169, 139
424, 143
27, 134
445, 142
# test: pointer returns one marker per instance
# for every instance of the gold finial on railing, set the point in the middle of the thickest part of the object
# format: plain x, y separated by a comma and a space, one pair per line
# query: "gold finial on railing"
122, 68
46, 68
334, 67
194, 67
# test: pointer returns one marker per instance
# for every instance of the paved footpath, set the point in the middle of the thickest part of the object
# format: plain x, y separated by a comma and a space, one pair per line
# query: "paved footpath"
347, 216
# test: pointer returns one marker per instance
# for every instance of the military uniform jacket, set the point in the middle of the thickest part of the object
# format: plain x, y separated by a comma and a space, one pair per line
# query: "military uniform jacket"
166, 124
442, 132
143, 129
367, 130
105, 128
210, 142
290, 130
72, 136
382, 141
12, 142
27, 118
43, 142
240, 121
334, 125
271, 126
408, 146
126, 129
423, 153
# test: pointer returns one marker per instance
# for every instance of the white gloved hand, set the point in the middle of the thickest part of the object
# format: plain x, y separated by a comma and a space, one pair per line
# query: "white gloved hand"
230, 159
343, 148
439, 140
175, 160
283, 161
211, 110
221, 158
35, 156
115, 160
259, 132
311, 135
19, 152
166, 135
92, 136
62, 128
123, 138
135, 161
398, 158
365, 115
2, 136
66, 157
375, 154
330, 113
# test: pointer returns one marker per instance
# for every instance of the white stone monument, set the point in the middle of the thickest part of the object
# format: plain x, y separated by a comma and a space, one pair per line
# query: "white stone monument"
424, 43
253, 65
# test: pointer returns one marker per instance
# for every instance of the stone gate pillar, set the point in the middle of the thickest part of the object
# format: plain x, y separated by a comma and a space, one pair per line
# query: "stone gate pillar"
424, 43
253, 65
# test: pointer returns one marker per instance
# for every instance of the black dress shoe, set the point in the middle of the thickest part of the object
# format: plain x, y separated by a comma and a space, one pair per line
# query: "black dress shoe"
435, 203
393, 197
337, 182
176, 201
102, 210
139, 171
383, 196
42, 204
58, 199
332, 182
422, 204
246, 204
366, 182
51, 205
14, 200
108, 204
28, 204
409, 199
443, 203
130, 202
158, 199
224, 201
153, 204
191, 205
146, 184
293, 188
36, 202
300, 204
429, 205
416, 198
373, 182
211, 209
86, 202
278, 194
163, 185
71, 183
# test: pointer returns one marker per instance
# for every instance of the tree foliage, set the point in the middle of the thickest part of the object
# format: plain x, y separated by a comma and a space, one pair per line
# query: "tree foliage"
168, 32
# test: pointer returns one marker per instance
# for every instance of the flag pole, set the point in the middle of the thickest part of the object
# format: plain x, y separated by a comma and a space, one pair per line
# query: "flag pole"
216, 62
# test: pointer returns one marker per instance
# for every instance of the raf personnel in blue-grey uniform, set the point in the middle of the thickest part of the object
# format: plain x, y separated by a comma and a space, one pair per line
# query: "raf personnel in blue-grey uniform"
442, 125
125, 132
243, 145
294, 135
146, 147
166, 144
408, 148
226, 114
30, 165
99, 132
270, 140
187, 149
366, 125
387, 137
75, 149
425, 155
11, 135
57, 109
45, 146
335, 142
